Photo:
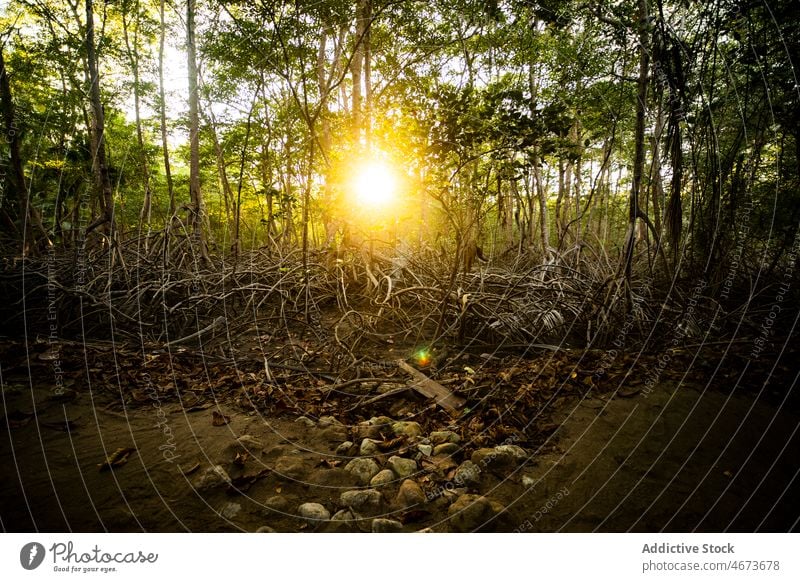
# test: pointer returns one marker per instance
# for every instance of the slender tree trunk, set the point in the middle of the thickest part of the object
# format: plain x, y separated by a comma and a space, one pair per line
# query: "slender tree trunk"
133, 58
638, 158
227, 191
105, 196
195, 193
237, 246
162, 110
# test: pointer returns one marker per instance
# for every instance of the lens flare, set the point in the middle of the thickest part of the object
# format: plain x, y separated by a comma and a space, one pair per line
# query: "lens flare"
423, 357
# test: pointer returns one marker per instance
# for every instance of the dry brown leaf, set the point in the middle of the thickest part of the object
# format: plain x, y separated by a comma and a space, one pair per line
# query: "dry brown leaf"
116, 459
219, 419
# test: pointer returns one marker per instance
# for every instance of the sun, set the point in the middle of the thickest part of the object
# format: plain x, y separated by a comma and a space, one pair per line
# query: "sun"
374, 184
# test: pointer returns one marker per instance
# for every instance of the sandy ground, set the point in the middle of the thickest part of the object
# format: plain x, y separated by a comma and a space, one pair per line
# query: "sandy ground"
677, 459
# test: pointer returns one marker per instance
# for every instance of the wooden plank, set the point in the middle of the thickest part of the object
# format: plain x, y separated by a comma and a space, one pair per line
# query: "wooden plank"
432, 389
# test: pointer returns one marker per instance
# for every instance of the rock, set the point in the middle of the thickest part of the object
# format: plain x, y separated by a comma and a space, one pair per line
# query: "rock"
326, 421
426, 450
313, 512
342, 521
403, 467
361, 500
469, 474
383, 525
407, 428
368, 448
345, 515
446, 449
470, 513
409, 495
230, 510
381, 421
444, 436
385, 477
334, 433
265, 529
277, 503
367, 431
515, 451
211, 477
425, 530
528, 481
304, 420
290, 467
343, 450
494, 461
363, 468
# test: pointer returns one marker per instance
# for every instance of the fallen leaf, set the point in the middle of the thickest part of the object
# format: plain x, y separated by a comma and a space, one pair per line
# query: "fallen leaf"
219, 419
439, 464
116, 459
240, 459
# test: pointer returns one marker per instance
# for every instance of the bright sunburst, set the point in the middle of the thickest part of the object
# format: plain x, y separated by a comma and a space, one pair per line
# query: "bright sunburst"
374, 184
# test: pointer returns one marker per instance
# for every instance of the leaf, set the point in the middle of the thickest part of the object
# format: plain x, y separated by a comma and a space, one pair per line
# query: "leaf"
439, 464
469, 370
328, 463
116, 459
219, 419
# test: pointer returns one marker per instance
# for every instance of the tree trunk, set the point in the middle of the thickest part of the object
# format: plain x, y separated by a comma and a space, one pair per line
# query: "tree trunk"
104, 193
638, 158
197, 211
133, 58
162, 109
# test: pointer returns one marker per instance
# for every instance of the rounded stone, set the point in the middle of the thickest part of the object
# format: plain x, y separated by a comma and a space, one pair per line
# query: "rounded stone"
277, 503
446, 449
407, 428
361, 500
368, 448
426, 450
305, 421
384, 477
470, 513
410, 494
439, 437
343, 449
363, 469
265, 529
469, 474
383, 525
326, 421
313, 512
402, 467
515, 451
494, 461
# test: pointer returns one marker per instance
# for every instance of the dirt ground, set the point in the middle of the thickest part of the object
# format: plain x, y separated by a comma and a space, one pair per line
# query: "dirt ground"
682, 457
